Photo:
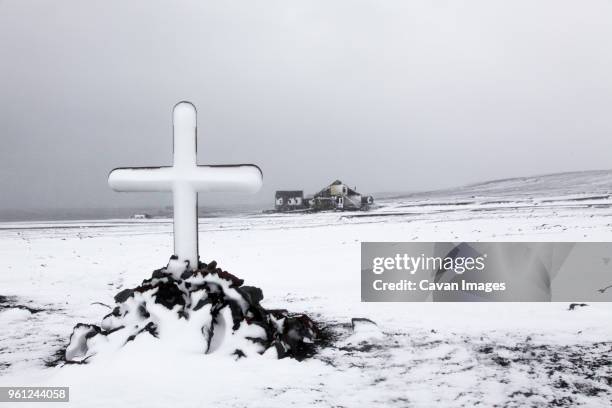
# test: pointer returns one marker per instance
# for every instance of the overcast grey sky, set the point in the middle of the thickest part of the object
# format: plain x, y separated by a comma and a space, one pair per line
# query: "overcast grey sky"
385, 95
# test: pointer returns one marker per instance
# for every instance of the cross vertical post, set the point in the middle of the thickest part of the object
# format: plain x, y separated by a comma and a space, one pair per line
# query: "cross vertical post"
185, 198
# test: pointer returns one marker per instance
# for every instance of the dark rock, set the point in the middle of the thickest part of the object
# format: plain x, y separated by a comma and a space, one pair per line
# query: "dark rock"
486, 350
252, 294
159, 273
504, 362
55, 359
277, 313
169, 294
573, 306
144, 313
124, 295
281, 348
299, 334
228, 276
201, 303
150, 328
237, 315
10, 302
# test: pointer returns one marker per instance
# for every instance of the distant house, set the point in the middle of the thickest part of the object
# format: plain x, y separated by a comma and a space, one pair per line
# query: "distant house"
141, 216
339, 196
336, 196
289, 200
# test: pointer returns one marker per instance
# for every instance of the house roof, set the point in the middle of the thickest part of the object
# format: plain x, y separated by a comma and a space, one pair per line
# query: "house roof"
289, 192
337, 183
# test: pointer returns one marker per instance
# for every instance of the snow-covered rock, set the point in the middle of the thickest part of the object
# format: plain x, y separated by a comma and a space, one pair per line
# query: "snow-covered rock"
363, 331
12, 315
203, 311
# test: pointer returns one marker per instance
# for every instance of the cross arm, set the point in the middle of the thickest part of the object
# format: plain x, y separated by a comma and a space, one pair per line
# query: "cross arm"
241, 178
141, 179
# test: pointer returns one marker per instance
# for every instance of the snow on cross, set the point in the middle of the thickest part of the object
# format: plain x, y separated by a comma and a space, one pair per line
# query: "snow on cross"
185, 179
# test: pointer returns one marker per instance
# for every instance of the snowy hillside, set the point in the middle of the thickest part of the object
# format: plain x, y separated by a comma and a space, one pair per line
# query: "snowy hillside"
592, 186
55, 274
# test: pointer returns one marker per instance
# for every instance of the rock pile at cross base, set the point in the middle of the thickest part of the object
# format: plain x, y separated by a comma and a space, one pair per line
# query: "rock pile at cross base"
205, 311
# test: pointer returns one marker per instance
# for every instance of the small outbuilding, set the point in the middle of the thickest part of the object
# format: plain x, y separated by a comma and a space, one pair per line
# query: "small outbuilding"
289, 200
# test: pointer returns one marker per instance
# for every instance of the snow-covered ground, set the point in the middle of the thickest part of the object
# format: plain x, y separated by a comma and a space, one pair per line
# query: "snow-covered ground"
493, 354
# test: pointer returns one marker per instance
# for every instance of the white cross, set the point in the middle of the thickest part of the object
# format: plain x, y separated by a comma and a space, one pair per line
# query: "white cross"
185, 179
